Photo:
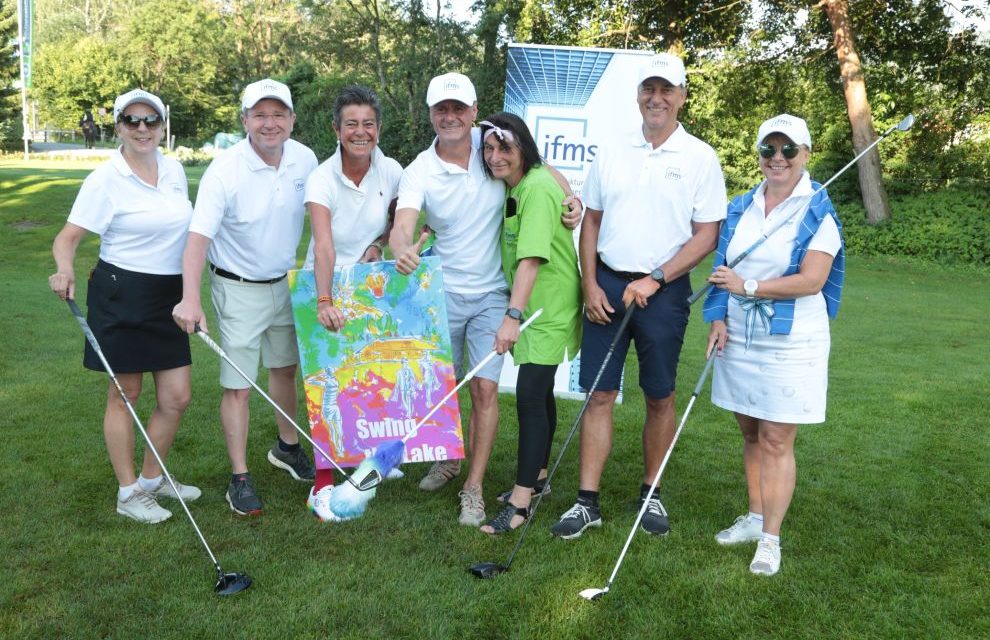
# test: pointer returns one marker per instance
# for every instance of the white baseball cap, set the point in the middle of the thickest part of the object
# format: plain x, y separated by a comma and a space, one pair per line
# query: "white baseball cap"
451, 86
267, 88
136, 96
666, 66
793, 127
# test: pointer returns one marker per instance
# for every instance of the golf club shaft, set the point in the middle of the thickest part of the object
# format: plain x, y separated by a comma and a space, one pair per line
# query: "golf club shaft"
901, 126
91, 338
223, 354
663, 465
570, 434
470, 374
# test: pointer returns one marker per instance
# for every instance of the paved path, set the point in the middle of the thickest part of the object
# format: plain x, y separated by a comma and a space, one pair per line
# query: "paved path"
68, 149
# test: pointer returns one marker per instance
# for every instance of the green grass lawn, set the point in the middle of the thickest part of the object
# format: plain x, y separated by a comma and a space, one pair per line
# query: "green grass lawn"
887, 536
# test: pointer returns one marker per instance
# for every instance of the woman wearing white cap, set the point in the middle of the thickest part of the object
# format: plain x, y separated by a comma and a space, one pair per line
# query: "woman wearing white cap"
138, 204
769, 318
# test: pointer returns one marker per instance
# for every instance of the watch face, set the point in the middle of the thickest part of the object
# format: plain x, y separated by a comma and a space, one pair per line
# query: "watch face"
657, 274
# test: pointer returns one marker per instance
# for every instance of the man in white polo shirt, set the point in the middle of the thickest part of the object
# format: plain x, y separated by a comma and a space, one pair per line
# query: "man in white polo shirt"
655, 200
464, 209
249, 218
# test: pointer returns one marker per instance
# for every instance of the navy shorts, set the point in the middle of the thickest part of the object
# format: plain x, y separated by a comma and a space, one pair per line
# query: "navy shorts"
658, 331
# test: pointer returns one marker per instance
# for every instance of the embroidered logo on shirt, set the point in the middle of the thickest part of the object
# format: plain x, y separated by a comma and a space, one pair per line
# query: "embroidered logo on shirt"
300, 184
176, 187
673, 173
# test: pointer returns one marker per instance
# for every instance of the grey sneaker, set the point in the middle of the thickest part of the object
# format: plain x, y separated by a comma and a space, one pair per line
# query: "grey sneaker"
766, 560
296, 463
575, 520
143, 507
655, 520
242, 498
472, 507
164, 490
744, 529
440, 474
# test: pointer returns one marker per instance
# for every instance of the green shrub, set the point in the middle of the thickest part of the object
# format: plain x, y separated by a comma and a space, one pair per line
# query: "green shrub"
950, 226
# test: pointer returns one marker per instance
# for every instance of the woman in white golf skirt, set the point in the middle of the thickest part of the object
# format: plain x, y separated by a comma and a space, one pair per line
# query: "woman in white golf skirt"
769, 321
138, 203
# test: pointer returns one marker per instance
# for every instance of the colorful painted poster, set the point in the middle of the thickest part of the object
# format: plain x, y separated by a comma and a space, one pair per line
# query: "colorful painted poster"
372, 381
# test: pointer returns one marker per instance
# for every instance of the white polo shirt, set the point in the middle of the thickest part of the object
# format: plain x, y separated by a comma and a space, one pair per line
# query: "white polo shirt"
651, 196
142, 227
464, 208
253, 212
358, 213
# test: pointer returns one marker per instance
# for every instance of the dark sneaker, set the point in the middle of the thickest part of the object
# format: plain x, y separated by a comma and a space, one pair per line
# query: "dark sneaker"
655, 520
578, 518
296, 463
242, 498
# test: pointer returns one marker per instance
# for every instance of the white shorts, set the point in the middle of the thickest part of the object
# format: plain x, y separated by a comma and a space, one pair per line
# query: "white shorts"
253, 318
473, 320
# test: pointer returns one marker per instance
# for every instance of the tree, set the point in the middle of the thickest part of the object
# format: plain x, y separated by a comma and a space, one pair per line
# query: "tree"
858, 108
10, 107
75, 74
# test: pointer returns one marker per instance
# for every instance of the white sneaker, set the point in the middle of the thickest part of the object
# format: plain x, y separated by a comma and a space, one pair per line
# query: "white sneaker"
744, 529
143, 507
319, 504
766, 562
472, 507
440, 474
164, 490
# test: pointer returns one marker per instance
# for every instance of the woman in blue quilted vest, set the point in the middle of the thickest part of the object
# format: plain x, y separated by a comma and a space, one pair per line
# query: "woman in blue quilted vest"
769, 321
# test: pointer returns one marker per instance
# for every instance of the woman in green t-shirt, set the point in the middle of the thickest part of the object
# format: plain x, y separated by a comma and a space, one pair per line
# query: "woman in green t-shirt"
541, 267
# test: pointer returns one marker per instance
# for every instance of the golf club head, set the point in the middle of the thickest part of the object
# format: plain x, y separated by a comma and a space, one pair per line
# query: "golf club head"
485, 570
593, 594
370, 480
906, 123
229, 584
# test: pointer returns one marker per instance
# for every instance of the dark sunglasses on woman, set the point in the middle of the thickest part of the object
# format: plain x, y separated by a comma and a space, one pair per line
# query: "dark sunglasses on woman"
789, 150
133, 122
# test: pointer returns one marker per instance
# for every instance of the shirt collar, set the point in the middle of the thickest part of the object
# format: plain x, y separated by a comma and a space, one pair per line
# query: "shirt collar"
441, 166
337, 164
254, 161
674, 143
124, 169
801, 189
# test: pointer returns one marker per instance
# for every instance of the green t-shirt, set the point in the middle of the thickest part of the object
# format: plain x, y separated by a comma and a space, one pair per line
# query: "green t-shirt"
535, 231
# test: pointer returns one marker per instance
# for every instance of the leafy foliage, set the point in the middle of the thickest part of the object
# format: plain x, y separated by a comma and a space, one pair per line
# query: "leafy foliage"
10, 107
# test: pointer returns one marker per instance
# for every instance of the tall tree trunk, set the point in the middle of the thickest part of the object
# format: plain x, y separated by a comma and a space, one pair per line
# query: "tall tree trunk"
858, 106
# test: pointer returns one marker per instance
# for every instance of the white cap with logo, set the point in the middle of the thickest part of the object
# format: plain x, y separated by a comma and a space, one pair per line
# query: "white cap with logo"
666, 66
267, 88
451, 86
793, 127
136, 96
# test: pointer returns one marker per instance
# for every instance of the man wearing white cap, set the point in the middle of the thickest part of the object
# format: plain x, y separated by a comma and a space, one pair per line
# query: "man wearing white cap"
464, 209
655, 200
248, 220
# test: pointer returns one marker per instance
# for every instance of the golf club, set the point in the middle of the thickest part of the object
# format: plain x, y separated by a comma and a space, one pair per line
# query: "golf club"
370, 480
227, 583
595, 594
484, 570
801, 203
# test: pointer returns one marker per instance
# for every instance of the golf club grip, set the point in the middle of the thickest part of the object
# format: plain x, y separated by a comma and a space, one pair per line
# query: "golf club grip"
705, 371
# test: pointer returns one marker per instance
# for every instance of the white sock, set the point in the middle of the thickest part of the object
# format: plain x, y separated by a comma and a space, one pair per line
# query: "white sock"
771, 538
147, 484
124, 493
756, 518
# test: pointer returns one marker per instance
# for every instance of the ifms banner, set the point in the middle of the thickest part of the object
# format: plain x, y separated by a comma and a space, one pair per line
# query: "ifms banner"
573, 99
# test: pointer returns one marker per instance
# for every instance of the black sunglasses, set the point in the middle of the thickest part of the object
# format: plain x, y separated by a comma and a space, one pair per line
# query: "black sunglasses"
511, 207
133, 122
789, 150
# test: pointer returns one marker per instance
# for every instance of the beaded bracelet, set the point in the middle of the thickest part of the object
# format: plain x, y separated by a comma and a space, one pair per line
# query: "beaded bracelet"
323, 299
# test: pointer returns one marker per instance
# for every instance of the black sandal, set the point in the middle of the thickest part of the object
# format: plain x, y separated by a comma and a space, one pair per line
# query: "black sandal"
503, 497
503, 521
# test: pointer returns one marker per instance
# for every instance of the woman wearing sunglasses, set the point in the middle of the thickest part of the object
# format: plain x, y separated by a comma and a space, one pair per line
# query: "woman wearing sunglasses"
769, 321
139, 206
540, 264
